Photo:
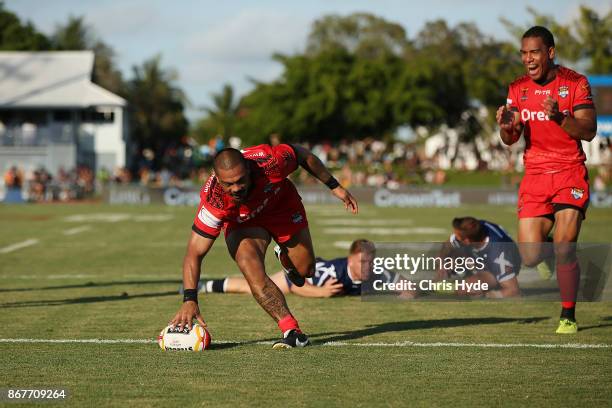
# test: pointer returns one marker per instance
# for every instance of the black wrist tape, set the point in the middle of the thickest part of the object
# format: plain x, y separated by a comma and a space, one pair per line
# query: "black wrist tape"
332, 183
190, 294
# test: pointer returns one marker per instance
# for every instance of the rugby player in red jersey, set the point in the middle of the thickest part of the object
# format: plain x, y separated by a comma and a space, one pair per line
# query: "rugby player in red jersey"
553, 107
251, 199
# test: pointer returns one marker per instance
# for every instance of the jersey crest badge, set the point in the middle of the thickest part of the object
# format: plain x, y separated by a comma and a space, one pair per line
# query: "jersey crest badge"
563, 91
524, 94
577, 193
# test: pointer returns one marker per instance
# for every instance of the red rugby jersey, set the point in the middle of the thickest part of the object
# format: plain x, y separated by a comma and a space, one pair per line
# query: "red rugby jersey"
548, 147
270, 166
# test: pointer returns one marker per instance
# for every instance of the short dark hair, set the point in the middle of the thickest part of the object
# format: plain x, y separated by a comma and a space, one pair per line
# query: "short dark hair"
228, 158
362, 246
542, 32
470, 227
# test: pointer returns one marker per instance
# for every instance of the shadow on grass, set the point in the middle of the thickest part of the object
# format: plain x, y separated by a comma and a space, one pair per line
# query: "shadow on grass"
319, 339
80, 300
390, 327
597, 326
97, 285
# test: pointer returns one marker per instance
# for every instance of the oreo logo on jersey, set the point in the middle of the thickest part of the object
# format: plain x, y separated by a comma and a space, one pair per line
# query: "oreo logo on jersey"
531, 115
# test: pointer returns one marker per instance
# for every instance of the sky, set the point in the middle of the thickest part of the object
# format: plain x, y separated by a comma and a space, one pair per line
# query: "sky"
212, 43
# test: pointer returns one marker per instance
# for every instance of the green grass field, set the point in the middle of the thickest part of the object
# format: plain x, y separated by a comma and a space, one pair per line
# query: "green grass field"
102, 272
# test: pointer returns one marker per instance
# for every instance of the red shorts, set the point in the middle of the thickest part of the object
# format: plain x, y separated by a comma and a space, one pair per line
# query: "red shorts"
540, 193
285, 219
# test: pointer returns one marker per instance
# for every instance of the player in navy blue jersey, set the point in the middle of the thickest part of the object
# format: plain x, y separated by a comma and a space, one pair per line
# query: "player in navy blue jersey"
499, 255
339, 276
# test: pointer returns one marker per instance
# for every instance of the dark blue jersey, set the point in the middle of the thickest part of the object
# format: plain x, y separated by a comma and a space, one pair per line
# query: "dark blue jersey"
500, 253
338, 269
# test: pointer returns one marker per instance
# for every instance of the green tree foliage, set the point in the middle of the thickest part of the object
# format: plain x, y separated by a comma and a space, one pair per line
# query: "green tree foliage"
362, 34
76, 35
342, 88
594, 32
330, 95
222, 114
18, 36
157, 105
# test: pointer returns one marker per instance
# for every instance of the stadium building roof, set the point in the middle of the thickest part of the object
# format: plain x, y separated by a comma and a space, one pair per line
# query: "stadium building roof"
56, 79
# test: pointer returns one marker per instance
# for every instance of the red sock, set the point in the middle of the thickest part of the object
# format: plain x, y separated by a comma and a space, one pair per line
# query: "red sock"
288, 323
568, 277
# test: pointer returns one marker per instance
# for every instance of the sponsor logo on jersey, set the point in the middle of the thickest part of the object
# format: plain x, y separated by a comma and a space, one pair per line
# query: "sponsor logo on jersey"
524, 94
250, 155
577, 193
542, 92
243, 217
533, 115
563, 91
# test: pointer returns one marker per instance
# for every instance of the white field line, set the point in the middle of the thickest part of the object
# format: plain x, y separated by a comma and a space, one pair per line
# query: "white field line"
384, 231
118, 217
365, 222
332, 343
76, 230
153, 218
342, 244
18, 245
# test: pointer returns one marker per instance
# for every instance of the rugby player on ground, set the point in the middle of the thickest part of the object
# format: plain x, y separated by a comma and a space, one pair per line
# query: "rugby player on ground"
553, 108
334, 277
251, 199
488, 241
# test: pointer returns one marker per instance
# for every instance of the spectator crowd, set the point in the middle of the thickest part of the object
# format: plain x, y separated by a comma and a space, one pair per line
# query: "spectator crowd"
368, 162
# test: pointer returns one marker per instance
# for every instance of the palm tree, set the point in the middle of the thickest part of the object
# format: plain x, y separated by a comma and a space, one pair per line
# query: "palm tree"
157, 106
224, 111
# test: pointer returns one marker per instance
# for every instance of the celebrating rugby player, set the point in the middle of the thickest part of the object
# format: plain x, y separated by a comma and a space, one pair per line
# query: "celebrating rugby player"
553, 108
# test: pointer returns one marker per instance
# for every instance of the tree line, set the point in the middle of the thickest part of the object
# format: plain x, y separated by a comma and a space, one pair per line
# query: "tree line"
361, 75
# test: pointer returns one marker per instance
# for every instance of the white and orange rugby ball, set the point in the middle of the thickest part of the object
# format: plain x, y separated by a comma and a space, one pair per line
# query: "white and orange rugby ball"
173, 339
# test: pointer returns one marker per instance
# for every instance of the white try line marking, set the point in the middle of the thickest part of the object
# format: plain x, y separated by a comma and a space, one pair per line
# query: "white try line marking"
18, 245
333, 343
76, 230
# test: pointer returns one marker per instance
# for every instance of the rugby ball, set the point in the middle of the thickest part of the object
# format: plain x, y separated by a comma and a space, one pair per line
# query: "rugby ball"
175, 339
